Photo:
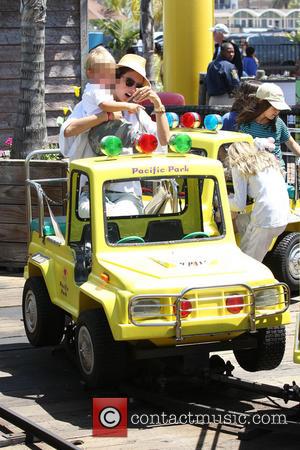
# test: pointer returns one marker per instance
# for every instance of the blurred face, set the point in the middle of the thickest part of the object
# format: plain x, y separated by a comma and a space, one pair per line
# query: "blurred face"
103, 74
127, 85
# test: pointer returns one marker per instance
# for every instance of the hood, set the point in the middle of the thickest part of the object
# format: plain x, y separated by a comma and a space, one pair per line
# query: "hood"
179, 268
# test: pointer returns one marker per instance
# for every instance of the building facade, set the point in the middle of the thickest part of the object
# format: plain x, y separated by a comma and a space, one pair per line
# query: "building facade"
264, 19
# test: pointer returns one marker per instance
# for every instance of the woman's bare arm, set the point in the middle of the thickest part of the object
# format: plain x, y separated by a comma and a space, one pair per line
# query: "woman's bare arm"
163, 129
78, 126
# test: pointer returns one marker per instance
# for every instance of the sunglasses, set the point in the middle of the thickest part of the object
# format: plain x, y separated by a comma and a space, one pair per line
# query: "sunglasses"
131, 83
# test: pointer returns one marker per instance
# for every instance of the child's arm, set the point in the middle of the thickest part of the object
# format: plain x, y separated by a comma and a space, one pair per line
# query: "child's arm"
112, 106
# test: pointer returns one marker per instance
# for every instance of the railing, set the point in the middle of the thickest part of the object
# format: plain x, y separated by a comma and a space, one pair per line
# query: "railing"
277, 54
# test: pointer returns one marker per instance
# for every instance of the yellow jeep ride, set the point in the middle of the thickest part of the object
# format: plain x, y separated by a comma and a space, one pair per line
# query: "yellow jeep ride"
167, 282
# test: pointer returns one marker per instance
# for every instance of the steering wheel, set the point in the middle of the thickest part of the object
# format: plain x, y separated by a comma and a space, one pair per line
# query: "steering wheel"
132, 239
195, 234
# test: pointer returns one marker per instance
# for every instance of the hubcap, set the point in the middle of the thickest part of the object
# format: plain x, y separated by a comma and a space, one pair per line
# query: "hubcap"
294, 262
85, 350
30, 312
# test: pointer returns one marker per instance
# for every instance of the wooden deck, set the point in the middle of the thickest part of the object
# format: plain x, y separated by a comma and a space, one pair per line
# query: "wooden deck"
44, 385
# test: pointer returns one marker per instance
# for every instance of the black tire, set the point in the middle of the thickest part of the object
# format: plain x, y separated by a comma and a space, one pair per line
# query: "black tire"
101, 359
284, 260
269, 351
44, 322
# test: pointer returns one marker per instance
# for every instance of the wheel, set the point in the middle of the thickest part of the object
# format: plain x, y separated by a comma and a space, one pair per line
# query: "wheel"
284, 260
100, 358
269, 351
44, 322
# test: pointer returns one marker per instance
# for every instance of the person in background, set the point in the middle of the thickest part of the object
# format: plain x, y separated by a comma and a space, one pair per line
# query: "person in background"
222, 77
243, 96
260, 119
221, 34
250, 62
256, 173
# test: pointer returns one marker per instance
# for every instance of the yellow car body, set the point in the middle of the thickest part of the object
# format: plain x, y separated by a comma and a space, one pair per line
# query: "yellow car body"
163, 290
137, 270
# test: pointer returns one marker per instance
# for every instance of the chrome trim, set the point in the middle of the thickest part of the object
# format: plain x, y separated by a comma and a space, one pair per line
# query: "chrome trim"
182, 296
37, 185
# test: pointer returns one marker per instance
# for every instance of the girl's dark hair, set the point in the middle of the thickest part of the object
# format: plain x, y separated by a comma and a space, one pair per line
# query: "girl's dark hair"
244, 95
254, 110
121, 71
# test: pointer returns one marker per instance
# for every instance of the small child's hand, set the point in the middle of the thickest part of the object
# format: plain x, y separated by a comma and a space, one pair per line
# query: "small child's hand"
134, 108
265, 144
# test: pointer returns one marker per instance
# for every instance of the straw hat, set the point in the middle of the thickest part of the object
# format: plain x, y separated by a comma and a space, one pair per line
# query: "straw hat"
136, 63
273, 94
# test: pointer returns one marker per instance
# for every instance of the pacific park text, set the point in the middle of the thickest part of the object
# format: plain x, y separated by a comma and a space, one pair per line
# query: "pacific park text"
159, 170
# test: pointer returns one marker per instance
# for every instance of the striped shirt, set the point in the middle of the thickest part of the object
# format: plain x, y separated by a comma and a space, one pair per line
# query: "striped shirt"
281, 135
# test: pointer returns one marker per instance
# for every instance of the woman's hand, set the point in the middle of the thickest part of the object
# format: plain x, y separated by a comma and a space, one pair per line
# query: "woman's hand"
146, 93
133, 108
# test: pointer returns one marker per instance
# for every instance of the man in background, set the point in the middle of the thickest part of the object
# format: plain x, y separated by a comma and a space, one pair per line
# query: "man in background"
222, 77
221, 33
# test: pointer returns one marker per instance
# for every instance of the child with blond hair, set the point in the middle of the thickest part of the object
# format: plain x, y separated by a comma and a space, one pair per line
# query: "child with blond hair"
256, 173
97, 97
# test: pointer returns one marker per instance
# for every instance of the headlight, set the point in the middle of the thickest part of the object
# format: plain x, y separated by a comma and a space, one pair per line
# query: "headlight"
269, 297
147, 307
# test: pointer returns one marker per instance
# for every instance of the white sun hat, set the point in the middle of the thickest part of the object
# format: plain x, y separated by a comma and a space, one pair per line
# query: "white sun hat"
273, 94
136, 63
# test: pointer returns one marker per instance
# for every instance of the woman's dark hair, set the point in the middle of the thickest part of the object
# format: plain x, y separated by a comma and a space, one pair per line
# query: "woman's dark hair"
244, 95
121, 71
254, 110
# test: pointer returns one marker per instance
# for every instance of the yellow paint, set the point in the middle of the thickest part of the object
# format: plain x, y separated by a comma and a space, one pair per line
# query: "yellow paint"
188, 45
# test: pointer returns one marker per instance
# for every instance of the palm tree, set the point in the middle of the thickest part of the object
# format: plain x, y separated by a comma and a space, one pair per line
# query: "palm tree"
124, 34
281, 4
30, 132
147, 36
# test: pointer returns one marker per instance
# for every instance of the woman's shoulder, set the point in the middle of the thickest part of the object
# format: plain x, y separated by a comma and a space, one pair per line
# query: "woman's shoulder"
280, 123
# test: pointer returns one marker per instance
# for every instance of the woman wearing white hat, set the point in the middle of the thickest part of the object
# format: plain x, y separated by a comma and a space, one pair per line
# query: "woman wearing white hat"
132, 85
79, 136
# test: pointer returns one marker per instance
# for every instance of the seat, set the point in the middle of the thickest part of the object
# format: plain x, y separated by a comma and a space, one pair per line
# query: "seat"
48, 227
113, 233
164, 230
168, 99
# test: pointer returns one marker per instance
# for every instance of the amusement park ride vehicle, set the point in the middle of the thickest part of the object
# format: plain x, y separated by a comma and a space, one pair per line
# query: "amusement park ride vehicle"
165, 283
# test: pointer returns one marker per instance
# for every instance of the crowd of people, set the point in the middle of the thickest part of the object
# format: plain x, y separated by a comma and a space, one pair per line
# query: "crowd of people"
111, 104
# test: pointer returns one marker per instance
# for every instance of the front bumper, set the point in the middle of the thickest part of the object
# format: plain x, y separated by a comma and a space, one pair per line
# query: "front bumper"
209, 315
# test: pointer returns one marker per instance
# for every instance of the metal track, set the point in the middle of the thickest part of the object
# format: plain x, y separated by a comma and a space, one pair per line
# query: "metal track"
248, 421
33, 430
